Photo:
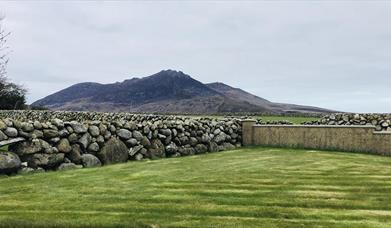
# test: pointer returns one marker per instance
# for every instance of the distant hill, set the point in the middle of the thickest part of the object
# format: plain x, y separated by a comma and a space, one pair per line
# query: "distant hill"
168, 91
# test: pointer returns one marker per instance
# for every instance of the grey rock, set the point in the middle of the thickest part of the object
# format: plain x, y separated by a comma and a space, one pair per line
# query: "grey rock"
3, 136
93, 147
37, 134
89, 160
72, 138
78, 127
124, 134
94, 130
54, 140
11, 132
166, 132
46, 161
63, 133
138, 157
143, 151
131, 142
185, 151
28, 147
145, 142
85, 140
205, 138
50, 133
37, 125
26, 170
114, 151
228, 146
64, 146
68, 166
134, 150
200, 149
156, 150
171, 149
137, 135
213, 147
193, 141
220, 138
9, 162
3, 126
58, 123
100, 140
27, 127
75, 154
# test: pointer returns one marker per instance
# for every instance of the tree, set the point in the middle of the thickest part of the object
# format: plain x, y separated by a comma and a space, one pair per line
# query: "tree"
12, 96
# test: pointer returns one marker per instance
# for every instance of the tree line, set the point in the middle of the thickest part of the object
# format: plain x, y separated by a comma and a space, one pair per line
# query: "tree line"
12, 96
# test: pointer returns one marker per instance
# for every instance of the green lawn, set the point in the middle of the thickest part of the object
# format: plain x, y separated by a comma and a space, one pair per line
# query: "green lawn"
252, 187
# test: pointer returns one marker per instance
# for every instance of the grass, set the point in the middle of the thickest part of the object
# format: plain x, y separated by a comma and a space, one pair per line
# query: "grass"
293, 119
254, 187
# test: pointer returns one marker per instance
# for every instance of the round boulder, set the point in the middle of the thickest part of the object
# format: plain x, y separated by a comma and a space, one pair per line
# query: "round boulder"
114, 151
89, 160
11, 132
124, 134
64, 146
9, 162
94, 130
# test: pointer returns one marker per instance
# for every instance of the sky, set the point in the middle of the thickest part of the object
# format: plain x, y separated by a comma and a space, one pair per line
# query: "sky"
330, 54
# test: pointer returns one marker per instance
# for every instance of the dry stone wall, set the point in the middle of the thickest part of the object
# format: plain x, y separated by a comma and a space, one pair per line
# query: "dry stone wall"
382, 122
67, 140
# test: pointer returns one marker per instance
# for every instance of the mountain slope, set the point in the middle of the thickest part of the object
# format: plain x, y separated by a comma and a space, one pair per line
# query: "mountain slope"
241, 95
167, 91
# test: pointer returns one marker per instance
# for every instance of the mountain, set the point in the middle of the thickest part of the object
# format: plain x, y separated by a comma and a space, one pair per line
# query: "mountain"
167, 91
241, 95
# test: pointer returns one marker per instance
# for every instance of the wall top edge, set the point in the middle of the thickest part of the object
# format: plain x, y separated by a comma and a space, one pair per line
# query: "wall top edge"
382, 133
316, 126
248, 120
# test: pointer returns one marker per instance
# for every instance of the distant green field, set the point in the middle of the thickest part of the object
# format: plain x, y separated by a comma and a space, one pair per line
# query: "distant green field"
293, 119
254, 187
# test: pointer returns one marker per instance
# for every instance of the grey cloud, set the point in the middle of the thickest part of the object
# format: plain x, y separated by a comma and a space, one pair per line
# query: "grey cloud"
330, 54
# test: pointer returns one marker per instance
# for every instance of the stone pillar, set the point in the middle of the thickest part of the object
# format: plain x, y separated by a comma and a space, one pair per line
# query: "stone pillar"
248, 131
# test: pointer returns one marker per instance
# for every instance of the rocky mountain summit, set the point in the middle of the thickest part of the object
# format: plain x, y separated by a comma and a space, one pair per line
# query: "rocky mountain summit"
167, 91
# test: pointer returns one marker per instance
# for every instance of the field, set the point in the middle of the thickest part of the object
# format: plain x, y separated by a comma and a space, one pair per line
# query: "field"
293, 119
253, 187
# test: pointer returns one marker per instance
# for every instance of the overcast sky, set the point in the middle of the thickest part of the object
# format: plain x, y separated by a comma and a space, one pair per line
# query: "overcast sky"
330, 54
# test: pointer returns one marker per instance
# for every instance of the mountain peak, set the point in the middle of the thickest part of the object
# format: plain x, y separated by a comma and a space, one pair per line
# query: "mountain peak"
172, 73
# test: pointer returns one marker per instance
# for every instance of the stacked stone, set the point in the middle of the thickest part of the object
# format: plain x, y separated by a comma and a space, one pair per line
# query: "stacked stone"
382, 122
274, 122
58, 144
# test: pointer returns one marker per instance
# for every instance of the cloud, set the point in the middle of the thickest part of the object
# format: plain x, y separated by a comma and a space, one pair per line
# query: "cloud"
330, 54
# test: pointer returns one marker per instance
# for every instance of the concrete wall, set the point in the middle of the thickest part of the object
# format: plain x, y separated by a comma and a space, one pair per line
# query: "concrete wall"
325, 137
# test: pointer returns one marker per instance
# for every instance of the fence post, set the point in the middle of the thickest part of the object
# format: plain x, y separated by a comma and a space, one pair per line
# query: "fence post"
247, 131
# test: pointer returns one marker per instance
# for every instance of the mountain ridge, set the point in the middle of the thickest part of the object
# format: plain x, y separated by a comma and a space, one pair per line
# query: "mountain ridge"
167, 91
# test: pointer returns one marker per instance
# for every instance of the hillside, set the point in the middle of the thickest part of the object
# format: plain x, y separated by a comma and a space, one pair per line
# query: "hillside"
167, 91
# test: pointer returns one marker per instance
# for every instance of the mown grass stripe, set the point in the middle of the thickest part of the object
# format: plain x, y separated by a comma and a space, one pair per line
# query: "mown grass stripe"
247, 187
